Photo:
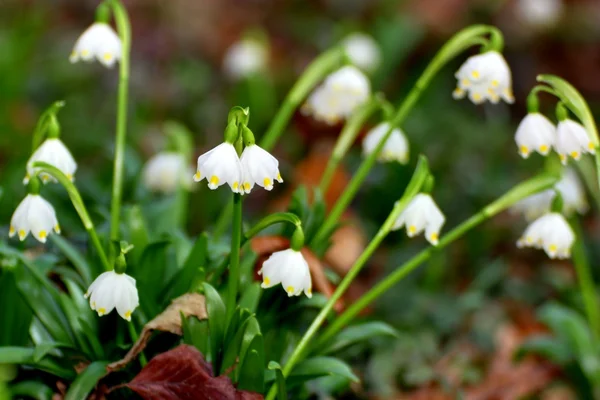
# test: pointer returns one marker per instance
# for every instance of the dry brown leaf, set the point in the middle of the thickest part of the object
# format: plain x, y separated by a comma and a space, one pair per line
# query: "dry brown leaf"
167, 321
347, 244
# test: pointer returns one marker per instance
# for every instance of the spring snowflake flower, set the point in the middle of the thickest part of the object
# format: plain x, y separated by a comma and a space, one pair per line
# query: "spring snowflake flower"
485, 77
540, 13
219, 166
535, 133
55, 153
363, 51
550, 232
289, 268
395, 147
258, 167
99, 41
422, 214
572, 140
337, 98
166, 172
245, 58
34, 214
112, 290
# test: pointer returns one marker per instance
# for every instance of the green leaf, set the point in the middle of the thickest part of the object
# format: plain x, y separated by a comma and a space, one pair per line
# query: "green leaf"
216, 322
233, 343
77, 259
550, 347
138, 231
358, 333
252, 369
14, 312
252, 329
31, 389
150, 275
195, 262
317, 367
196, 333
24, 355
250, 297
280, 379
86, 381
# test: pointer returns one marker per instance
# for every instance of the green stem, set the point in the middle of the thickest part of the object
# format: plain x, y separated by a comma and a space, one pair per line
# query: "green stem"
78, 205
347, 137
281, 217
519, 192
419, 177
586, 280
234, 259
42, 124
455, 46
124, 28
134, 338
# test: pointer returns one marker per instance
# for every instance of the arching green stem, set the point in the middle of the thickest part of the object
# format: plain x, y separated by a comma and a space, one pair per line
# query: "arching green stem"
455, 46
78, 205
124, 28
281, 217
42, 124
519, 192
419, 177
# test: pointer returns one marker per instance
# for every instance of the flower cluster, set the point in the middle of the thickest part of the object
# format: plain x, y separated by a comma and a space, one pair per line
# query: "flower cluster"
485, 77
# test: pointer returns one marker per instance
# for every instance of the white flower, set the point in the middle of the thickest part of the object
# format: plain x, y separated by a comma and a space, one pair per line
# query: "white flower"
166, 172
535, 133
572, 192
112, 290
541, 13
258, 167
55, 153
35, 215
422, 214
245, 58
550, 232
363, 51
395, 147
338, 96
99, 41
534, 206
485, 77
219, 166
572, 140
289, 268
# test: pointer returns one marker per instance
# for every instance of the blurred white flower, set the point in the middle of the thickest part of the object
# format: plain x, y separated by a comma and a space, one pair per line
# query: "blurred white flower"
219, 166
289, 268
244, 58
363, 51
535, 133
571, 190
99, 41
55, 153
395, 147
550, 232
422, 214
572, 140
338, 96
112, 290
485, 77
35, 215
165, 172
540, 13
258, 167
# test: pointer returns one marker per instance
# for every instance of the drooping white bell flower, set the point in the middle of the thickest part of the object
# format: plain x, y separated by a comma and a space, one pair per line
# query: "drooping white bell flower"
166, 172
244, 58
540, 13
338, 96
550, 232
485, 77
422, 214
258, 167
112, 290
535, 133
289, 268
99, 41
395, 147
572, 140
570, 188
34, 214
219, 166
363, 51
55, 153
572, 192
